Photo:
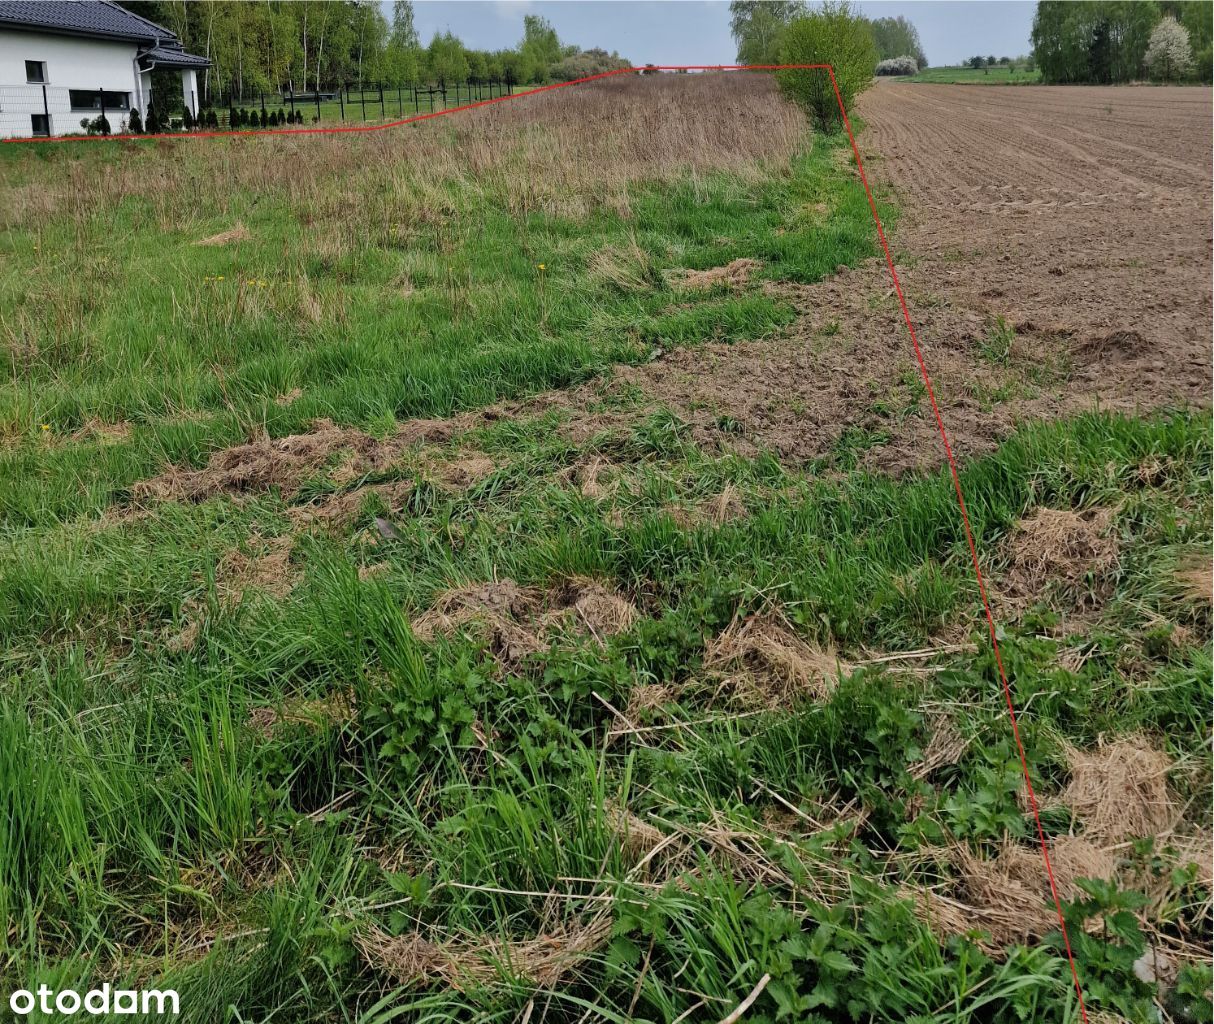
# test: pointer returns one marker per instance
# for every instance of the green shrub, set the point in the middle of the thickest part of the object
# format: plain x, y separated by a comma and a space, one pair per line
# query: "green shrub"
135, 122
837, 35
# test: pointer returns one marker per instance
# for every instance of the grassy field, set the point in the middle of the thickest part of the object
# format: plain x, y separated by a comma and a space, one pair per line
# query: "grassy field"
999, 75
324, 696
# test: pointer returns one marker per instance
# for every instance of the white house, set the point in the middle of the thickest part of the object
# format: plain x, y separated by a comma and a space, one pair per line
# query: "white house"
62, 61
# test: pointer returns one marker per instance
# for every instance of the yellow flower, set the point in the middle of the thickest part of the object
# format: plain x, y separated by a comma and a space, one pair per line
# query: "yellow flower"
219, 278
541, 266
46, 426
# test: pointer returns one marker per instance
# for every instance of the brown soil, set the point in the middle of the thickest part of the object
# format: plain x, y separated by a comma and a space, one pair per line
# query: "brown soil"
1078, 217
517, 622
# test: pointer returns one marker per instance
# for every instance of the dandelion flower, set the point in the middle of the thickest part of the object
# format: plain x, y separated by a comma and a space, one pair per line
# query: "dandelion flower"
541, 266
46, 426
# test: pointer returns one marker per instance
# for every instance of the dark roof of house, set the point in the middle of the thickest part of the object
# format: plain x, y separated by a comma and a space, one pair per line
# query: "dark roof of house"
82, 18
100, 19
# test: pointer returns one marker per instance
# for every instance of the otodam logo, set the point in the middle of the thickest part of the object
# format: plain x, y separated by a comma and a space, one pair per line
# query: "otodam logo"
96, 1002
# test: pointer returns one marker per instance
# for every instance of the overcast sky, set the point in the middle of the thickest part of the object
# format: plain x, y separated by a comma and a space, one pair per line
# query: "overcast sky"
697, 31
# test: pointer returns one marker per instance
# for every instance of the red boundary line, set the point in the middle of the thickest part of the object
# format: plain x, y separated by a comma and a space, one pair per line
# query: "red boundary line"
910, 327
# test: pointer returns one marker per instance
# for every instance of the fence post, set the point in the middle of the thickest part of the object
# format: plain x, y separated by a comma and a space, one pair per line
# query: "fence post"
442, 85
342, 102
263, 101
101, 100
46, 110
318, 103
292, 104
382, 115
362, 98
194, 108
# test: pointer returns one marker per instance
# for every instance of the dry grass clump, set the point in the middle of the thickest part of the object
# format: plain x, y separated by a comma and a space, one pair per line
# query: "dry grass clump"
315, 713
237, 234
335, 512
626, 267
764, 661
98, 430
1007, 896
724, 507
517, 621
595, 478
1120, 790
1072, 552
284, 463
464, 471
476, 960
269, 572
733, 275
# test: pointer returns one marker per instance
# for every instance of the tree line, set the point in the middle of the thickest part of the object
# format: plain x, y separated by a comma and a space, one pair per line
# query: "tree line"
760, 29
1105, 42
280, 45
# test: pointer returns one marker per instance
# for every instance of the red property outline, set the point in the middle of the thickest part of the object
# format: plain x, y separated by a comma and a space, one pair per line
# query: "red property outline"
893, 273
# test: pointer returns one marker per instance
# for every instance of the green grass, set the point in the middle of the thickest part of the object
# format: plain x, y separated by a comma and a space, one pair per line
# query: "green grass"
999, 75
155, 830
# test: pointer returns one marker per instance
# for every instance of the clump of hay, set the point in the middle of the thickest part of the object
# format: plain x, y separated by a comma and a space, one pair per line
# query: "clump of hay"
1071, 858
334, 512
283, 463
475, 960
637, 837
237, 234
946, 745
724, 507
463, 472
647, 699
588, 606
764, 661
733, 275
316, 713
269, 572
628, 268
520, 621
287, 397
98, 430
594, 478
1007, 897
1073, 552
1120, 790
1195, 579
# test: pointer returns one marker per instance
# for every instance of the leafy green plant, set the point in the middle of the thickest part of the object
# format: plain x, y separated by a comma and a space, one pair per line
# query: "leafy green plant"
834, 34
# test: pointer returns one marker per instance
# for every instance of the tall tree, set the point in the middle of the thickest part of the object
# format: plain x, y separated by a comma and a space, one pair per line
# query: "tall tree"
897, 37
758, 27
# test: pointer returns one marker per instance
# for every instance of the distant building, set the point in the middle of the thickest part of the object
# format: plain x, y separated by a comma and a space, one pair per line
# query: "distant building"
62, 61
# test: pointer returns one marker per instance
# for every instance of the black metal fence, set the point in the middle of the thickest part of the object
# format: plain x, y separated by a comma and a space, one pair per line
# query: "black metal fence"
345, 103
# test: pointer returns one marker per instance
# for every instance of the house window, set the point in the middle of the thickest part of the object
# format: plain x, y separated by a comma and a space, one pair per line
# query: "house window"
90, 99
41, 124
35, 72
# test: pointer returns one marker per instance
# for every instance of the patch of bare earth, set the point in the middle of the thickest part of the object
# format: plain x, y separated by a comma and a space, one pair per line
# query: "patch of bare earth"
516, 622
1080, 216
